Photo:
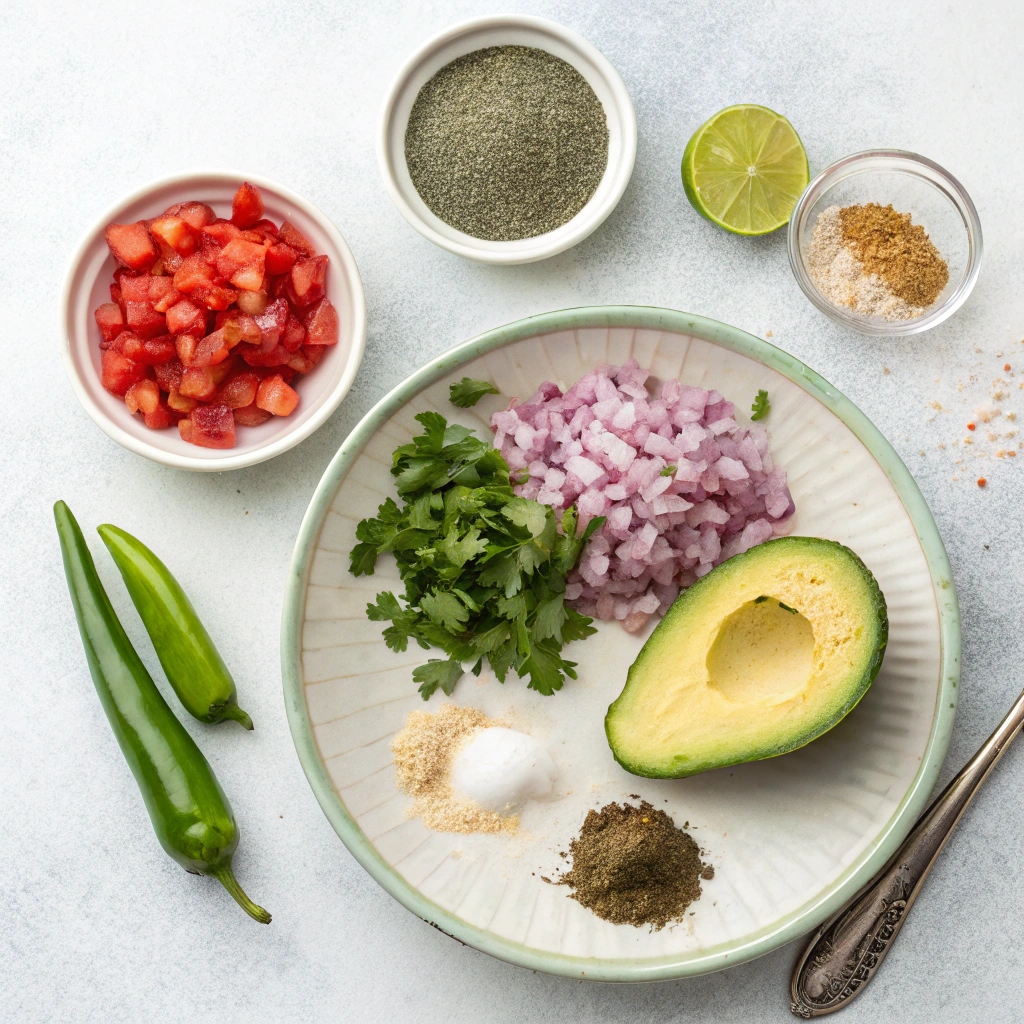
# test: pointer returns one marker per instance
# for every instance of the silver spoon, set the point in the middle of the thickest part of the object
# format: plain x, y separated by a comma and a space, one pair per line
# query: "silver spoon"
849, 947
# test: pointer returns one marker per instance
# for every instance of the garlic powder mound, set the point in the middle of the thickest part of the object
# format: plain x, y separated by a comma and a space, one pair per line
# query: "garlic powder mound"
423, 753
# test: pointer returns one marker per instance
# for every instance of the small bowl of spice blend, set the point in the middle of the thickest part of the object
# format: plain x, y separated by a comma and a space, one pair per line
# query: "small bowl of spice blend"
886, 242
506, 139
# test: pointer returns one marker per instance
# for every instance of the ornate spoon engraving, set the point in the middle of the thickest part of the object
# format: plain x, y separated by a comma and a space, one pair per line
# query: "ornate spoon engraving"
848, 949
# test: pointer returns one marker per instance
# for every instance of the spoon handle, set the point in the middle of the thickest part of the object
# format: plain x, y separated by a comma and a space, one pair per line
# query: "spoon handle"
849, 947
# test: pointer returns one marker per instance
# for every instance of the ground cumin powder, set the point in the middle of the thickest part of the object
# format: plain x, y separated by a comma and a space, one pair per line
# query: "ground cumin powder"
898, 251
631, 865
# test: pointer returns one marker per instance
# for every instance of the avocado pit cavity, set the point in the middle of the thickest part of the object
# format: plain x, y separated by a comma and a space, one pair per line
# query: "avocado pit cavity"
763, 653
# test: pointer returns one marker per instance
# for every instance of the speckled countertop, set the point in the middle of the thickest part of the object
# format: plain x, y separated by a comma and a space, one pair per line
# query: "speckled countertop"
97, 923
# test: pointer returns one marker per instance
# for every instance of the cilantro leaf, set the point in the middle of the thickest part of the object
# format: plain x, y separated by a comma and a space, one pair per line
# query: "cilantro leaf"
550, 617
484, 571
363, 559
431, 441
469, 391
761, 407
530, 515
459, 552
443, 674
445, 610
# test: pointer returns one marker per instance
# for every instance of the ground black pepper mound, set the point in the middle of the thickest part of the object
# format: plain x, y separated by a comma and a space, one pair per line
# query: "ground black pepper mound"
506, 143
631, 865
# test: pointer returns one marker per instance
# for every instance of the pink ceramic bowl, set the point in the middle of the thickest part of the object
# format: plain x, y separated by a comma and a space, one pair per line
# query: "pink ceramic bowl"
320, 391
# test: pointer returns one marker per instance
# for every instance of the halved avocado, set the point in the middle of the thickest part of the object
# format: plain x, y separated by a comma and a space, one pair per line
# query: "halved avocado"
762, 655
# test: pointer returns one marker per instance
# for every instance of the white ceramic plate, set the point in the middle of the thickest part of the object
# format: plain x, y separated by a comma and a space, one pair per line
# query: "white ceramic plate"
790, 838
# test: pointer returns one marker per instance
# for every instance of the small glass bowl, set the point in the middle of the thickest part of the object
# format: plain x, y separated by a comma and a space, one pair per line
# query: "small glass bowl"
914, 185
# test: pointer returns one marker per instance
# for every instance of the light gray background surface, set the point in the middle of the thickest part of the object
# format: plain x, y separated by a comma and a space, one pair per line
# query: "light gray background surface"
96, 923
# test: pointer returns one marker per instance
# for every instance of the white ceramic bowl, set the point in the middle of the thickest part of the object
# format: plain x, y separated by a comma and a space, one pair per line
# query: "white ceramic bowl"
506, 30
320, 391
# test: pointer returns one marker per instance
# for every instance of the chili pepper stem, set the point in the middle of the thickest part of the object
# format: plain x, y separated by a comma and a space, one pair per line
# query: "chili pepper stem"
234, 712
226, 877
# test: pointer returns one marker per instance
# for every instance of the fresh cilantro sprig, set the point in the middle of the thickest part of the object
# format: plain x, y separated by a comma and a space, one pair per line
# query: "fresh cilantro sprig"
469, 391
761, 406
484, 570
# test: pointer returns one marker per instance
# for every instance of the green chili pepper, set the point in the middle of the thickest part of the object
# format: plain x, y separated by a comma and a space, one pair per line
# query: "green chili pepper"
193, 665
189, 810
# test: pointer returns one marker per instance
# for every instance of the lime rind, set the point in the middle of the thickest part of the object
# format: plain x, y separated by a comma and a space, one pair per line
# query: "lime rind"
717, 175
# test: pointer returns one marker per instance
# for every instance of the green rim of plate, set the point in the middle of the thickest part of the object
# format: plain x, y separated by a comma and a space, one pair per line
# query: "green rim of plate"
800, 921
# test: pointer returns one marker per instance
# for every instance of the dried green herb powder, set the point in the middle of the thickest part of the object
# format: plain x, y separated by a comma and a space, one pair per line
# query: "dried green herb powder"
507, 142
631, 865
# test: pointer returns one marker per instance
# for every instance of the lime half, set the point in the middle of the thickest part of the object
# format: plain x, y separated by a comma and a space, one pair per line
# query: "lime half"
744, 169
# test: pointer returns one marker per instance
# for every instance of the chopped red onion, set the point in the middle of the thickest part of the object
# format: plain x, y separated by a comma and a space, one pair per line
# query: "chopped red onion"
682, 486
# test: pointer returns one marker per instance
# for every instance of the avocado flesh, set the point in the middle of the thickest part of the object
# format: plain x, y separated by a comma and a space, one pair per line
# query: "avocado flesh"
762, 655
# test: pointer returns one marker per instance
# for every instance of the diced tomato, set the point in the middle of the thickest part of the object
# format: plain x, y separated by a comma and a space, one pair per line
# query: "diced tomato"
194, 277
135, 289
277, 397
131, 245
213, 426
239, 391
308, 279
148, 351
220, 232
277, 356
218, 315
110, 320
169, 261
186, 317
304, 360
291, 235
322, 324
162, 293
118, 374
198, 382
294, 334
238, 327
243, 262
177, 233
211, 350
280, 259
145, 321
219, 297
253, 303
186, 345
223, 370
160, 418
247, 206
272, 322
281, 287
168, 375
196, 215
180, 403
251, 415
144, 396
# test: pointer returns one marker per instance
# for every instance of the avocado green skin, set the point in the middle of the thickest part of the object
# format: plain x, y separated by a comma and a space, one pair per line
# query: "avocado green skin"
859, 686
190, 813
193, 666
